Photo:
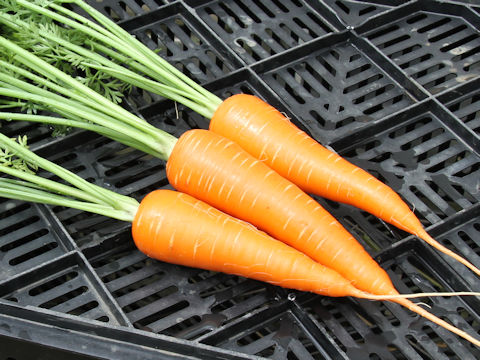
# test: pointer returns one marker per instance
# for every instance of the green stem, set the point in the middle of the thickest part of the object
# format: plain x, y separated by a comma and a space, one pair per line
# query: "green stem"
61, 104
48, 84
51, 120
157, 88
49, 184
161, 70
94, 30
105, 196
120, 58
154, 146
43, 197
33, 62
10, 105
108, 38
157, 63
128, 76
14, 182
139, 81
135, 79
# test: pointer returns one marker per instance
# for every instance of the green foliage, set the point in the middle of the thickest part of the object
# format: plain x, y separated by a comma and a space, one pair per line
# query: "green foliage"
35, 32
10, 159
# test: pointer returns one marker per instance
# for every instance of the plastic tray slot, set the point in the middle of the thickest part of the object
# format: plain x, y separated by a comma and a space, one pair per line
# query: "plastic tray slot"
347, 89
438, 50
254, 31
353, 13
63, 286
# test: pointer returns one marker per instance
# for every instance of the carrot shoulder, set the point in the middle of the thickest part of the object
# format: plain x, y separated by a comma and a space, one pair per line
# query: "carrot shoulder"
269, 136
219, 172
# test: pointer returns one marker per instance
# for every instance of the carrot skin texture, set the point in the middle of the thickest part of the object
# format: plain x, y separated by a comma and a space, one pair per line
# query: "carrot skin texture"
269, 136
177, 228
219, 172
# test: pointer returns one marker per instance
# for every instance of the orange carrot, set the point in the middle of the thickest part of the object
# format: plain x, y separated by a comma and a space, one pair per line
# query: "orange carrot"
269, 136
219, 172
177, 228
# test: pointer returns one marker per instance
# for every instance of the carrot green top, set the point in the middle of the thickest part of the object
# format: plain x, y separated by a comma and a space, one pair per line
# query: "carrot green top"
22, 183
43, 41
98, 49
29, 84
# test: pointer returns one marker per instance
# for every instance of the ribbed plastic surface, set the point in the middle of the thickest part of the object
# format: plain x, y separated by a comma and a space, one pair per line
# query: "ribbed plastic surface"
392, 86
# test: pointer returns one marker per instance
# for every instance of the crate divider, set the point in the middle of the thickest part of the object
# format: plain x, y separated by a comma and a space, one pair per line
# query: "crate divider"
98, 340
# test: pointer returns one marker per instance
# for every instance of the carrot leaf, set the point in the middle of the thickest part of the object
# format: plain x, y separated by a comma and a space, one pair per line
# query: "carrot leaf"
72, 42
19, 164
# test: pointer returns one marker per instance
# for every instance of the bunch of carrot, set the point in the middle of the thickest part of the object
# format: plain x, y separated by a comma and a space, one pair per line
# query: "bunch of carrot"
177, 228
252, 164
104, 48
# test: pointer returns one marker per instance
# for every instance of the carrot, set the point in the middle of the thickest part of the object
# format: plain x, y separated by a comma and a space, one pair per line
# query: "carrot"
81, 104
219, 172
177, 228
170, 226
268, 135
242, 118
126, 128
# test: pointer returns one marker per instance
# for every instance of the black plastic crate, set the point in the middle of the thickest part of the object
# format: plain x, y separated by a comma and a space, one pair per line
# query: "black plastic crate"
464, 104
123, 10
28, 240
72, 284
437, 49
256, 30
353, 13
333, 88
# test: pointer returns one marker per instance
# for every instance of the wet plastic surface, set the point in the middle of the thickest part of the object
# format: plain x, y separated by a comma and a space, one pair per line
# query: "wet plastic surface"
391, 86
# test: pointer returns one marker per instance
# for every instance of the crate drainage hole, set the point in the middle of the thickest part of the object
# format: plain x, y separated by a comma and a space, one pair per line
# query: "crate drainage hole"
19, 225
52, 283
32, 254
439, 341
161, 314
418, 348
64, 297
24, 240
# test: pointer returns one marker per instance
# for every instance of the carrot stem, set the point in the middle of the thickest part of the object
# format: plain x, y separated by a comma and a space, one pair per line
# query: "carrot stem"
103, 196
11, 191
102, 130
100, 103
